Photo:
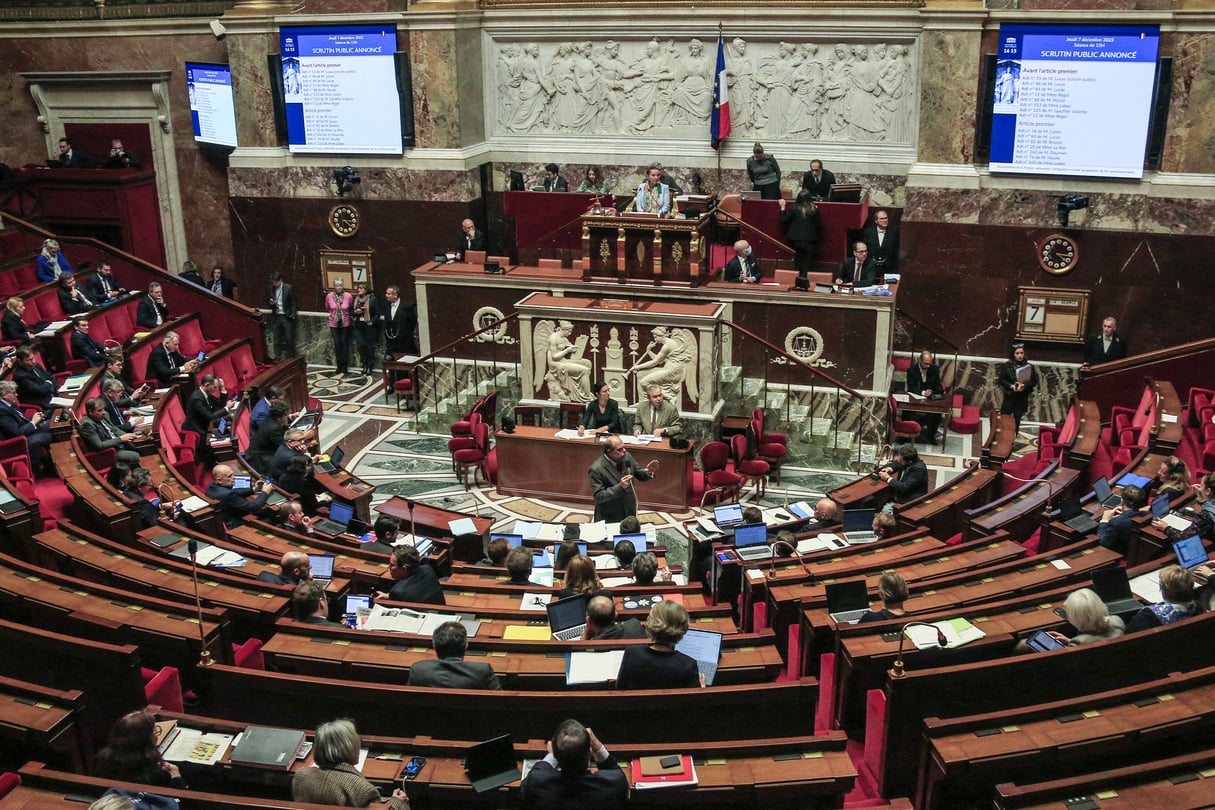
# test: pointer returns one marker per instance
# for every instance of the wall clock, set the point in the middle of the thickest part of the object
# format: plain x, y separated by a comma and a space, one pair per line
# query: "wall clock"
344, 220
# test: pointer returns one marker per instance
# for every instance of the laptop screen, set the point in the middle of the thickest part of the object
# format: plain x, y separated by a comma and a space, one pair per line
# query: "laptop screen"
750, 534
1111, 583
491, 758
566, 613
727, 514
242, 482
1160, 506
354, 602
322, 565
638, 541
336, 456
1102, 488
222, 427
703, 645
850, 595
1190, 551
341, 512
858, 520
515, 540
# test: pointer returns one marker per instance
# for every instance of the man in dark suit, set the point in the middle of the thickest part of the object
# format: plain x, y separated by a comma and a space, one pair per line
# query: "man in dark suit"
743, 268
883, 243
1118, 523
72, 299
114, 395
120, 158
924, 380
35, 385
103, 287
283, 310
291, 468
907, 477
152, 310
415, 582
13, 423
234, 504
309, 604
98, 433
70, 158
470, 238
562, 780
294, 568
554, 181
450, 670
612, 477
859, 271
165, 362
400, 321
205, 406
1106, 346
84, 347
601, 621
818, 181
386, 529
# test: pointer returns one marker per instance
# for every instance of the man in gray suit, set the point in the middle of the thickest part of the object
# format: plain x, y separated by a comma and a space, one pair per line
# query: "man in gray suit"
450, 670
656, 416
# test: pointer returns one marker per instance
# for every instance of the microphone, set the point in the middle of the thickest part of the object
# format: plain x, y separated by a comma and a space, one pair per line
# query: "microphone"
897, 670
192, 546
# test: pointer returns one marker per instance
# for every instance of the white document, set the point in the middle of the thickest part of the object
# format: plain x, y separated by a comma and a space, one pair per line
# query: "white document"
551, 532
594, 532
643, 439
616, 582
572, 433
529, 529
62, 402
462, 526
535, 601
193, 503
542, 577
1147, 587
397, 620
1176, 522
776, 515
605, 561
192, 745
593, 667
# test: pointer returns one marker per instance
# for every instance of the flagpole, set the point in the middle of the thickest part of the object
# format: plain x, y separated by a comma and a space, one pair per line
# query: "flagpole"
719, 126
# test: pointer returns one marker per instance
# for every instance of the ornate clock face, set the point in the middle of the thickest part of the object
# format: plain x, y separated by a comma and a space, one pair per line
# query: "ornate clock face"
1058, 254
345, 220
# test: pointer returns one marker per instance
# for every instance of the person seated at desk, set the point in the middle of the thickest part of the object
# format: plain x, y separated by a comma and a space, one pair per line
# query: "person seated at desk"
121, 158
137, 486
602, 414
335, 779
151, 311
563, 553
98, 433
562, 779
165, 362
387, 528
50, 264
220, 284
858, 271
84, 347
893, 590
656, 416
885, 524
580, 578
826, 514
553, 181
293, 519
907, 477
818, 181
653, 196
659, 665
12, 324
291, 467
470, 238
1177, 591
1087, 613
294, 568
449, 670
1118, 523
72, 299
495, 553
519, 563
14, 423
261, 408
924, 380
69, 158
35, 385
624, 551
268, 439
593, 182
601, 621
415, 582
234, 503
113, 394
309, 604
114, 364
102, 285
1172, 479
130, 754
206, 405
189, 272
646, 569
743, 268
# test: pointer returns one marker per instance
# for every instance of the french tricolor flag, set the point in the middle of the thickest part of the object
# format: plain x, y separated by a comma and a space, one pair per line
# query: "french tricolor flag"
719, 122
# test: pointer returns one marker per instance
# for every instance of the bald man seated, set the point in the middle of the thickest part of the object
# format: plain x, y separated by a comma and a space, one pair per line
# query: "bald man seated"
743, 268
235, 503
294, 568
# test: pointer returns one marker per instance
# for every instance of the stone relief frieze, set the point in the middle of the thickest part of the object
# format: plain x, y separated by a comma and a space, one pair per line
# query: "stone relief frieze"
844, 91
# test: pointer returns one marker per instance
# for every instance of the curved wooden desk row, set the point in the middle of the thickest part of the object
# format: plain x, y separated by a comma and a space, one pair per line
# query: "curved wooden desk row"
783, 774
717, 713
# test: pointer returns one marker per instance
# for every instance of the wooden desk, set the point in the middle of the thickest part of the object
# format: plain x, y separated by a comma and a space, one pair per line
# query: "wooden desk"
40, 721
869, 490
533, 463
1000, 439
429, 521
639, 248
941, 510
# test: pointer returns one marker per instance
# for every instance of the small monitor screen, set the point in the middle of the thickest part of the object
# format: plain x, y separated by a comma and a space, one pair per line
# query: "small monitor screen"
638, 541
212, 104
515, 540
750, 534
341, 512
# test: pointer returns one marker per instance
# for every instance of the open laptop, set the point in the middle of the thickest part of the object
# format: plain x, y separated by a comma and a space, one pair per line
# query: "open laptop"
857, 526
1112, 585
1105, 493
334, 463
242, 482
1191, 553
1073, 516
727, 515
322, 567
515, 540
339, 518
847, 601
638, 540
705, 647
492, 764
356, 601
567, 617
751, 541
305, 420
1160, 506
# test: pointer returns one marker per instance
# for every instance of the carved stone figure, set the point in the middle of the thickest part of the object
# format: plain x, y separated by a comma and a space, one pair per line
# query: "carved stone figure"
671, 361
559, 362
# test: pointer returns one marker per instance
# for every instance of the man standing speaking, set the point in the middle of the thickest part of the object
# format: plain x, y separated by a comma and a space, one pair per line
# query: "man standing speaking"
612, 478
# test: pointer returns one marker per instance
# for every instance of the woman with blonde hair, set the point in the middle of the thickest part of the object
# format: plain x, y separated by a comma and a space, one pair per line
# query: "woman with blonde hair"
1172, 478
893, 590
12, 324
580, 578
659, 665
1177, 591
51, 263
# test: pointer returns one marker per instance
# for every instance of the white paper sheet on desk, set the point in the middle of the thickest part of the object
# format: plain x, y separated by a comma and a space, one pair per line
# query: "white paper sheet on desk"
594, 532
570, 433
542, 577
777, 515
605, 561
820, 542
643, 439
527, 528
1177, 522
397, 620
551, 532
616, 582
462, 526
593, 667
1147, 587
534, 601
193, 503
62, 402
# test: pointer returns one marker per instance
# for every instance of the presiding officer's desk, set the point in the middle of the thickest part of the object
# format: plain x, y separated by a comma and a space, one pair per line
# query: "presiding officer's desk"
532, 462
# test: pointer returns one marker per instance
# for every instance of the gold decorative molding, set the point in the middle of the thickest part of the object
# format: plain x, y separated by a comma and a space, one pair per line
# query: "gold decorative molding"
87, 10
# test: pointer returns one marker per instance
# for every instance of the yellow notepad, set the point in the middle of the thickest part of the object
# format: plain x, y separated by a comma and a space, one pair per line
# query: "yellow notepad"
528, 632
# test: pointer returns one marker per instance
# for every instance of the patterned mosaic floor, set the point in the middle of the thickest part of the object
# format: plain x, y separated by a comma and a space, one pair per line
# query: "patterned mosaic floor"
383, 448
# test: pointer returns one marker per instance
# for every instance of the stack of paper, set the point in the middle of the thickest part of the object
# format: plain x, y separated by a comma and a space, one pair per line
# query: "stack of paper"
592, 667
197, 747
957, 632
663, 772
